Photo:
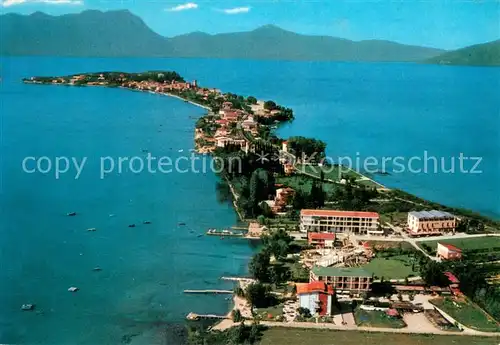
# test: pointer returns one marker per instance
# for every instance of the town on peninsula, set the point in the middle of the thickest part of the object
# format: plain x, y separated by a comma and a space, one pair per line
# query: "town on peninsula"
339, 251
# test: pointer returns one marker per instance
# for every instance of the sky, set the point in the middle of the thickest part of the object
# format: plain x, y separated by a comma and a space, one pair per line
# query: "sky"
447, 24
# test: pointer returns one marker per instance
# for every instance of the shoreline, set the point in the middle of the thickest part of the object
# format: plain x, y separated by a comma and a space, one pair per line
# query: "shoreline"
236, 301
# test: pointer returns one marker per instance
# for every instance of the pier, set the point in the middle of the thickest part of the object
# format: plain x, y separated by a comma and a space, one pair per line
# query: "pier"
209, 291
193, 316
224, 233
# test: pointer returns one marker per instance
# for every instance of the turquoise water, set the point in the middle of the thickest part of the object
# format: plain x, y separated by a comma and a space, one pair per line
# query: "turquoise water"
373, 109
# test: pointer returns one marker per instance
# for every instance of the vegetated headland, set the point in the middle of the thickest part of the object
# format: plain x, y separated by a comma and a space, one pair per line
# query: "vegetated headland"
269, 180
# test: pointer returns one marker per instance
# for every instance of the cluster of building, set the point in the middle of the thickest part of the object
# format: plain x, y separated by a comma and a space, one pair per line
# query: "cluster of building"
423, 223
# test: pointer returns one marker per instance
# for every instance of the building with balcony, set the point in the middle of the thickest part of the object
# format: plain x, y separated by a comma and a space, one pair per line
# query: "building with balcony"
350, 280
339, 221
317, 297
433, 222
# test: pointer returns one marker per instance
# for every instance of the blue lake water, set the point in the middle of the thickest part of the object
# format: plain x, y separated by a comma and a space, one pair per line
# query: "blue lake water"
374, 109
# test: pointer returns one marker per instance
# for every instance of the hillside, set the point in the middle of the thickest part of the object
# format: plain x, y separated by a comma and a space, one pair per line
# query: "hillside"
486, 54
121, 33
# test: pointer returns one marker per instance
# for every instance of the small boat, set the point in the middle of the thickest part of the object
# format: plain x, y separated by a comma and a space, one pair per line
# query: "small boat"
111, 215
181, 223
73, 289
27, 307
222, 237
131, 225
97, 269
91, 229
200, 235
71, 214
146, 222
181, 150
144, 150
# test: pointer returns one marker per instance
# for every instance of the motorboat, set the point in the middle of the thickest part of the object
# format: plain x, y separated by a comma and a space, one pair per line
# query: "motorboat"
71, 214
27, 307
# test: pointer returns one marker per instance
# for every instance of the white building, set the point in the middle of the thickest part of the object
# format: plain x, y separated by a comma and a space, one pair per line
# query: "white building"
317, 297
339, 221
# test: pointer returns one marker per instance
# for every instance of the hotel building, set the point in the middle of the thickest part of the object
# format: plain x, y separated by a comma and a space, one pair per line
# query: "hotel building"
339, 222
352, 280
430, 223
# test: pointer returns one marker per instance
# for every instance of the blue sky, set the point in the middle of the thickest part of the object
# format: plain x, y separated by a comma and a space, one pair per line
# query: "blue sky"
447, 24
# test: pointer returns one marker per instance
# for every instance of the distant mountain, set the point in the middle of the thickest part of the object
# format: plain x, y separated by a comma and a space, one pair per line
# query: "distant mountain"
90, 33
120, 33
486, 54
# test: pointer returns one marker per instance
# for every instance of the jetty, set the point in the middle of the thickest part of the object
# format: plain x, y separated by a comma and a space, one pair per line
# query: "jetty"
193, 316
209, 291
225, 232
239, 279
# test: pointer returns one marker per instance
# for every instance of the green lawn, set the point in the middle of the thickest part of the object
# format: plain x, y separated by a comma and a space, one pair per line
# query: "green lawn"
301, 336
377, 319
330, 172
467, 243
396, 267
274, 312
304, 183
467, 314
368, 183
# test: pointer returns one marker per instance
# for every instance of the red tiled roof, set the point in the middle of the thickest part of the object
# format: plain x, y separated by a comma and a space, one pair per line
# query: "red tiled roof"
452, 277
451, 247
314, 287
336, 213
321, 236
392, 312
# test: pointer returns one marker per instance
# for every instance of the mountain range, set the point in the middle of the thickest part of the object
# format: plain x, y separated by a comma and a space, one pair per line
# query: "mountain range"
94, 33
485, 54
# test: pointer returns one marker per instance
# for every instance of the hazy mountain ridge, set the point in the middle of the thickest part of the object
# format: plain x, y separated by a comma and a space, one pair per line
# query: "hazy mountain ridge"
121, 33
485, 54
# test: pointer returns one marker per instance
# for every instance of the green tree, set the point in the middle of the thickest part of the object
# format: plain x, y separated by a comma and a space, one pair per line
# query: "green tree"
251, 100
257, 295
236, 315
304, 312
259, 266
269, 105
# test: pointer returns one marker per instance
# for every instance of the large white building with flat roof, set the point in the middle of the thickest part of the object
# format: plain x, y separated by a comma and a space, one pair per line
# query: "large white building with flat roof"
340, 222
433, 222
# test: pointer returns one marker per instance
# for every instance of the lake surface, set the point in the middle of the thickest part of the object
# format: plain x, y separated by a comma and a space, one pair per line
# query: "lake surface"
375, 109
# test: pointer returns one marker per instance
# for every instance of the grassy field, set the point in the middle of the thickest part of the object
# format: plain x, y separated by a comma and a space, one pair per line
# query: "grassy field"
298, 336
467, 314
377, 318
270, 313
304, 183
467, 243
330, 172
397, 267
334, 173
